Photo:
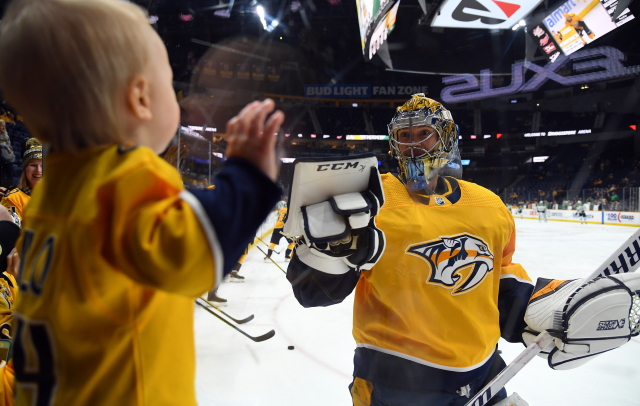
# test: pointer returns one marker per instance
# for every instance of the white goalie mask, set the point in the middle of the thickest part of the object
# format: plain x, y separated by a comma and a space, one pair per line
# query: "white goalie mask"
411, 137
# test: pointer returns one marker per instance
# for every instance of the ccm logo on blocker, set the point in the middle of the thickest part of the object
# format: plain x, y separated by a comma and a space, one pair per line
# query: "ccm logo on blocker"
339, 166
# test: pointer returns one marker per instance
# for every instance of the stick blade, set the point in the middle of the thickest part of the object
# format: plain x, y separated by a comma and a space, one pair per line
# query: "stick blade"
264, 337
245, 320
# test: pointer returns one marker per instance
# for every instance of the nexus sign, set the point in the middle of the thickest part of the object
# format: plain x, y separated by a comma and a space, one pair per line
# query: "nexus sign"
589, 65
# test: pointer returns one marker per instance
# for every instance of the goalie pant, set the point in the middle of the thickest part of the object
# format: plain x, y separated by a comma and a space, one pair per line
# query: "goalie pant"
413, 331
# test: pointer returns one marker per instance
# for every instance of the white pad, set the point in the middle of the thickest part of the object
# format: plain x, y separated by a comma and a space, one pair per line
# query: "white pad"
539, 314
318, 180
321, 222
355, 206
359, 220
351, 202
323, 263
599, 316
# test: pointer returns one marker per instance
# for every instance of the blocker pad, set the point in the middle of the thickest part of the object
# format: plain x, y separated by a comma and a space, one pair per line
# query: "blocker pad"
317, 180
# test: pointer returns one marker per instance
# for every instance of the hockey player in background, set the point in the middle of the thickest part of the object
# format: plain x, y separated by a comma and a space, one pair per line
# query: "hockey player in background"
435, 285
542, 211
276, 236
581, 212
519, 210
114, 249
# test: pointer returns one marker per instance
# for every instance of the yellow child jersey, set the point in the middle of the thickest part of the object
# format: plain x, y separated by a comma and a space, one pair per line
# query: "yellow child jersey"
281, 215
109, 272
16, 200
429, 314
8, 294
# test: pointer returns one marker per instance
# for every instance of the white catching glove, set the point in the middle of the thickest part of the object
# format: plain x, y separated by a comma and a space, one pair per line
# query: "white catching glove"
341, 232
586, 319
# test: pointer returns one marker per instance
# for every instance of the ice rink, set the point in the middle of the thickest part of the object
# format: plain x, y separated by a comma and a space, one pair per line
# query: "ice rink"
234, 371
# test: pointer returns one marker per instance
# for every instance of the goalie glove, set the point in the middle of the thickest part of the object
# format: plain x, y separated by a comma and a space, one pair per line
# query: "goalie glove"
343, 229
586, 318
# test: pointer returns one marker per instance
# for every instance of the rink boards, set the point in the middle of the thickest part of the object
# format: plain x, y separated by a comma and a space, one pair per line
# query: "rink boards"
615, 218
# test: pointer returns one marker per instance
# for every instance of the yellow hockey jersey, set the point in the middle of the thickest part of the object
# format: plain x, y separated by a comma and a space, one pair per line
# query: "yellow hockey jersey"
113, 252
429, 314
16, 200
281, 215
432, 298
8, 294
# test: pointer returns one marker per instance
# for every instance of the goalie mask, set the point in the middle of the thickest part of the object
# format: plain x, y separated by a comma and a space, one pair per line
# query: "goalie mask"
424, 140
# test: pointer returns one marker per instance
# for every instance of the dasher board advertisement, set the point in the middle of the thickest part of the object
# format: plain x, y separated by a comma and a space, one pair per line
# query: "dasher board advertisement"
376, 18
488, 14
577, 23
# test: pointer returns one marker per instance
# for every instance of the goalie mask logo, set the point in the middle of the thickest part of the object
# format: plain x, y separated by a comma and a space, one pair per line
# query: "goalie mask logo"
458, 262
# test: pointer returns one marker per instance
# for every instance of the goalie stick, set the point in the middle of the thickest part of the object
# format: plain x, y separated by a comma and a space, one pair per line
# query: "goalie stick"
261, 240
623, 260
241, 321
257, 339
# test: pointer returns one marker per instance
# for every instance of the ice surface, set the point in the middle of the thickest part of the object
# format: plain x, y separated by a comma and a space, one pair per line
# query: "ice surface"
234, 371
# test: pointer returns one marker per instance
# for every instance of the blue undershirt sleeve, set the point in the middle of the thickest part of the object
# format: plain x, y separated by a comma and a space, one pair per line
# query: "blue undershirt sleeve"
513, 298
240, 202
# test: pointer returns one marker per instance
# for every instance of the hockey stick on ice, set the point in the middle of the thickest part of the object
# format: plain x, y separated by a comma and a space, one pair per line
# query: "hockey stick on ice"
274, 262
261, 240
257, 339
621, 261
241, 321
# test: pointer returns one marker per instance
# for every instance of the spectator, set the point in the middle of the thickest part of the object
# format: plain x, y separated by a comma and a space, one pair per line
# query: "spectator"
17, 198
9, 232
6, 156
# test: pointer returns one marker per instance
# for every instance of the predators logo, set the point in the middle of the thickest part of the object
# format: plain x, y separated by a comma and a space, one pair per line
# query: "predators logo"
6, 295
459, 262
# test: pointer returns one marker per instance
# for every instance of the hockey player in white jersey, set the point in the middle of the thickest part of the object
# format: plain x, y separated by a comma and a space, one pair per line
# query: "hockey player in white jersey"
542, 211
581, 212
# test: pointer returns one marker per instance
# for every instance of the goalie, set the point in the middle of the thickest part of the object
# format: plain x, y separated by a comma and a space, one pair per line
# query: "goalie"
430, 259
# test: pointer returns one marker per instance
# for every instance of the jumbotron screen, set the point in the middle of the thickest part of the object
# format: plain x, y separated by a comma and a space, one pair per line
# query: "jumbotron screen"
575, 24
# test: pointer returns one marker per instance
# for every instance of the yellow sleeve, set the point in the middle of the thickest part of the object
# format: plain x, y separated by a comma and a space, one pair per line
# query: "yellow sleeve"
157, 238
13, 201
7, 386
8, 296
509, 268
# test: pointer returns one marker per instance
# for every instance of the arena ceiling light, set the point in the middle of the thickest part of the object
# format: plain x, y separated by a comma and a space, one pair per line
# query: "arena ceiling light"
260, 12
263, 19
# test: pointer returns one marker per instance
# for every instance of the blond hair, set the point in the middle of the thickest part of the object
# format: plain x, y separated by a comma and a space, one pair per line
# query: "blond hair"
65, 66
24, 184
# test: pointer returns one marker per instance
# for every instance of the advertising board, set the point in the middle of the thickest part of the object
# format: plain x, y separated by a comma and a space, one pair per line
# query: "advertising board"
617, 218
487, 14
376, 18
576, 23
